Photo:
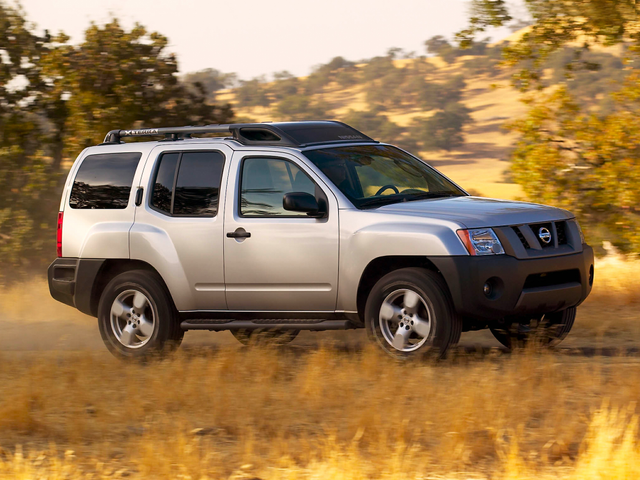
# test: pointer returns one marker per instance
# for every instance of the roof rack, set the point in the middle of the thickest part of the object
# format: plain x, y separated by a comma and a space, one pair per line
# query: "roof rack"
288, 134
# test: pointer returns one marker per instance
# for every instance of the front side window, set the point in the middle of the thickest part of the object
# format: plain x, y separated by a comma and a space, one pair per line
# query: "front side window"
375, 175
188, 183
265, 181
104, 181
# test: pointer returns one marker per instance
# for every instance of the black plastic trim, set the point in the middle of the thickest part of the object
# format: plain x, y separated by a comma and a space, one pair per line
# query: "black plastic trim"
71, 281
249, 325
277, 133
466, 276
259, 315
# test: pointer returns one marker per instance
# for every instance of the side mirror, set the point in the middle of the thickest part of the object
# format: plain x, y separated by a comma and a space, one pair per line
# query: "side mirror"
302, 202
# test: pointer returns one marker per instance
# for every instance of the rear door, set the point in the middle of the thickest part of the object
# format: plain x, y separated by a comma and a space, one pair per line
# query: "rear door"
179, 227
290, 261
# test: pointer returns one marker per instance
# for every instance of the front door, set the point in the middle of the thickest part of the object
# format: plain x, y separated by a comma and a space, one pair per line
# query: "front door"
290, 260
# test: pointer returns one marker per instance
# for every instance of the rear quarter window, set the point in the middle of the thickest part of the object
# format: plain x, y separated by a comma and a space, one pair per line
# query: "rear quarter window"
104, 181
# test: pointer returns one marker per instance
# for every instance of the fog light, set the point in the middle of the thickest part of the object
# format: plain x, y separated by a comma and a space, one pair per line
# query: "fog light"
487, 289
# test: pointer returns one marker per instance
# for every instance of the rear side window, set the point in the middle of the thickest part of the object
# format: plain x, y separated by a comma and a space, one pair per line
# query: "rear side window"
104, 181
188, 183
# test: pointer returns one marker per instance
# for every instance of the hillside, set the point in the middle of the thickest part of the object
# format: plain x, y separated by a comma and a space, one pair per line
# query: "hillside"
479, 165
400, 98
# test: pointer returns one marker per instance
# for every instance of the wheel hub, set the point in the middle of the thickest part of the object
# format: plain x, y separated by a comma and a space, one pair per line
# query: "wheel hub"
133, 318
405, 320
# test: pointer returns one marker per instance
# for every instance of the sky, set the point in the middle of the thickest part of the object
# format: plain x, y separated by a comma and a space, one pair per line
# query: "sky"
255, 37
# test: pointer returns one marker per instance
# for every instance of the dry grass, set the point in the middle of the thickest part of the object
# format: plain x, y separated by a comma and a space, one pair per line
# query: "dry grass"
247, 413
326, 412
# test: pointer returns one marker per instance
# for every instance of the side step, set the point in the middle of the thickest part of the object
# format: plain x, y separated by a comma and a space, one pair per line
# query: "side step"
279, 324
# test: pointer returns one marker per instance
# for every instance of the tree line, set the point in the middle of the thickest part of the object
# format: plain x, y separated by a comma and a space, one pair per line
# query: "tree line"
57, 98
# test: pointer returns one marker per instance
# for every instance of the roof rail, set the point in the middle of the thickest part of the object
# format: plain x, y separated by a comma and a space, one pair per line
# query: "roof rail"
289, 134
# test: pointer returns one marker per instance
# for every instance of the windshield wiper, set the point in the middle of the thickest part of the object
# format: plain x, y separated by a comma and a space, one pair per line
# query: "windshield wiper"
390, 199
379, 201
422, 196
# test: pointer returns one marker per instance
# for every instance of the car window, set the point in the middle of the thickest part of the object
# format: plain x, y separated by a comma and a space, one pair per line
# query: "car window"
188, 183
264, 183
104, 181
376, 175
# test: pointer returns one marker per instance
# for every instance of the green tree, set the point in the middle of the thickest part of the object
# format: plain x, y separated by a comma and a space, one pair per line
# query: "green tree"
378, 126
444, 129
585, 162
438, 95
567, 154
556, 23
57, 98
301, 107
26, 177
119, 79
210, 81
285, 84
252, 93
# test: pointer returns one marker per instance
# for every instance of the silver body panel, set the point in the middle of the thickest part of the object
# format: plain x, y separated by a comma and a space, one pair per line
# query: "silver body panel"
186, 251
288, 264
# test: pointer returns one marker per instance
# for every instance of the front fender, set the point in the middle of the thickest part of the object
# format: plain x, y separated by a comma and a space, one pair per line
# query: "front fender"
363, 245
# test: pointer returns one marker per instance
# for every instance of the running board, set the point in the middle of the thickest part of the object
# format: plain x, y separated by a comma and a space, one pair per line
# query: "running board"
278, 324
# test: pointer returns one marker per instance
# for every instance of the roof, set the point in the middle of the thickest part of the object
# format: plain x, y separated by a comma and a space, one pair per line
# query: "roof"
285, 134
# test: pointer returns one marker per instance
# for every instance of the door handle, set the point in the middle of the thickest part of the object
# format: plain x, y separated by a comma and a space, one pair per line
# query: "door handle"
239, 233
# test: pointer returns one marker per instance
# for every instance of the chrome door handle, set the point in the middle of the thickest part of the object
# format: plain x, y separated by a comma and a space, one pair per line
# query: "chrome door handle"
239, 233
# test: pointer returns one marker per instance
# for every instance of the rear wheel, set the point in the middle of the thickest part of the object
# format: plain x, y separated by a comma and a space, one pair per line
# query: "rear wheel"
137, 318
265, 336
548, 331
409, 313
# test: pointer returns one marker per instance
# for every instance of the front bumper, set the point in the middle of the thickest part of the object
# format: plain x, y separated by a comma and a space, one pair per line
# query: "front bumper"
517, 287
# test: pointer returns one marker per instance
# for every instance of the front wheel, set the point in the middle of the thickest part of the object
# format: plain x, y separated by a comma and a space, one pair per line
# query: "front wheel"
547, 331
137, 318
409, 313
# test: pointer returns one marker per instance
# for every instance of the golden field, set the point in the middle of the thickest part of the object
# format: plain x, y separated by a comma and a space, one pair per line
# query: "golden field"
330, 407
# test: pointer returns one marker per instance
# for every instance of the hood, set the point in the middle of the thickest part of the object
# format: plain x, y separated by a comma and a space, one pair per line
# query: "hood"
478, 212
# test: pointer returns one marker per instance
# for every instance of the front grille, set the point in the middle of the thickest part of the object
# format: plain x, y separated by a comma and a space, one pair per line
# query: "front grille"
538, 228
561, 229
552, 278
525, 244
532, 236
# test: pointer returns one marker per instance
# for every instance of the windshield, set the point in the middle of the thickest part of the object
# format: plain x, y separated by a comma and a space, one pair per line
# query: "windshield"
375, 175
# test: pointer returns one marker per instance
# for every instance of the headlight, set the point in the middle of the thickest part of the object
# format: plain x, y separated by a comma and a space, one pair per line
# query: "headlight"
481, 241
575, 222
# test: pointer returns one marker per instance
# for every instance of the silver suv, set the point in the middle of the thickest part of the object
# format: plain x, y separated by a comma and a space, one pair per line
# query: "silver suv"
281, 227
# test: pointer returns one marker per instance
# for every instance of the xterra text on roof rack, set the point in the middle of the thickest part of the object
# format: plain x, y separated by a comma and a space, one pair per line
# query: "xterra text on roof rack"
285, 227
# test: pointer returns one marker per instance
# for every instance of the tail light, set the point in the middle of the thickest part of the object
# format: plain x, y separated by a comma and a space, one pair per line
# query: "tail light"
59, 234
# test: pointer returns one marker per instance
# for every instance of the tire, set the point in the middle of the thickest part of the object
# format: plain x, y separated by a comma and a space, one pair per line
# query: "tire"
265, 336
548, 331
409, 313
137, 318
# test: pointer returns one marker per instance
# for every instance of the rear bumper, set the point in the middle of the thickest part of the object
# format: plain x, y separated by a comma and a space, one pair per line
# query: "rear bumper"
71, 281
518, 287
